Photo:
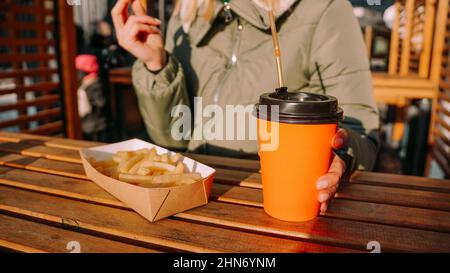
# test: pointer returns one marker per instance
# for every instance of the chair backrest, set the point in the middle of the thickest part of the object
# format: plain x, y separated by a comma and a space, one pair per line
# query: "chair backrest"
38, 79
412, 37
440, 73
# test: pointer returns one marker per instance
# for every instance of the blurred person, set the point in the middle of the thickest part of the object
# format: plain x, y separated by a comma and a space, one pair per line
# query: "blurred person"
222, 51
91, 99
103, 35
81, 44
104, 45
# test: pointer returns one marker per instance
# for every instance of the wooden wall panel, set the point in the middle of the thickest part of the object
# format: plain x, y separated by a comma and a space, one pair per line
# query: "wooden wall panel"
38, 81
440, 72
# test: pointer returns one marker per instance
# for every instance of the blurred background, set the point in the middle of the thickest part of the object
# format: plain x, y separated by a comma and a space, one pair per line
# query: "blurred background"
62, 73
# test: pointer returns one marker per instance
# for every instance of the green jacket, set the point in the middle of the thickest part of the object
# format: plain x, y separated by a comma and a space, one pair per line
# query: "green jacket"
200, 64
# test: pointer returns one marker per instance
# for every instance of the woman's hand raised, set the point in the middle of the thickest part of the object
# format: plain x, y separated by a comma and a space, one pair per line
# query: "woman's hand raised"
139, 34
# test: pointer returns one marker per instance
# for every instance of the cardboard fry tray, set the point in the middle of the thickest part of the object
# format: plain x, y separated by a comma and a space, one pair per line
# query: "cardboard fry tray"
152, 203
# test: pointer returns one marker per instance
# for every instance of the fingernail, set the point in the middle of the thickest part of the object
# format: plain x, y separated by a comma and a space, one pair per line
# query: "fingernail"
322, 184
338, 142
323, 197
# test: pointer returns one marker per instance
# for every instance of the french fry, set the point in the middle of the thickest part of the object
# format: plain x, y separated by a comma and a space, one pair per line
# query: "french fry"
126, 165
157, 166
179, 169
144, 181
152, 153
122, 156
136, 166
157, 185
156, 158
135, 179
143, 171
157, 172
175, 158
164, 158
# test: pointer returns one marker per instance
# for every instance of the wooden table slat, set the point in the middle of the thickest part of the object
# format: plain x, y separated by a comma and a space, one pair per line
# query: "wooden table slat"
27, 236
63, 143
237, 195
43, 165
228, 163
426, 219
395, 196
36, 150
57, 185
401, 181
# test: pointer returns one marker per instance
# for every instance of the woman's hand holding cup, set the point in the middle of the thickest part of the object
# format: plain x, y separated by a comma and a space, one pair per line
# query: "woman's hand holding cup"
139, 34
329, 182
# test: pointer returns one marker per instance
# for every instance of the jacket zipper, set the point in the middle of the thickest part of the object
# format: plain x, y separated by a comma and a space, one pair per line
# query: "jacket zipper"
230, 65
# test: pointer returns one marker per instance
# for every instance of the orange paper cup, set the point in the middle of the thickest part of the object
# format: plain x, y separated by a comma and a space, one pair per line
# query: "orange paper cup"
305, 127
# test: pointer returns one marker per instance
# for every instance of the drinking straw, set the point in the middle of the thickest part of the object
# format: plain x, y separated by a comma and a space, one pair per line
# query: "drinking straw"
144, 4
276, 43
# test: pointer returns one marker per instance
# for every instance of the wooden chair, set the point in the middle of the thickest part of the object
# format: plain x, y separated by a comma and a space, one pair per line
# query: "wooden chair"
374, 36
410, 55
124, 106
37, 67
440, 72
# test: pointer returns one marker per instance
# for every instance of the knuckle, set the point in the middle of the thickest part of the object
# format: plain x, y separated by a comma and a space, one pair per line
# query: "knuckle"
135, 29
334, 177
344, 133
338, 165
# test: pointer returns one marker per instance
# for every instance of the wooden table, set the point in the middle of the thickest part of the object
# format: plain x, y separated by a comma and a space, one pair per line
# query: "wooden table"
48, 205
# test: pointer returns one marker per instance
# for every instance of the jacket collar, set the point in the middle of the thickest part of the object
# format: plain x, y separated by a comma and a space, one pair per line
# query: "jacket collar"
254, 14
246, 9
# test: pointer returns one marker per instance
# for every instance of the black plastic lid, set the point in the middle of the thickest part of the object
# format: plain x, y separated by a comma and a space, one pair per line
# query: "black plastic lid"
300, 107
